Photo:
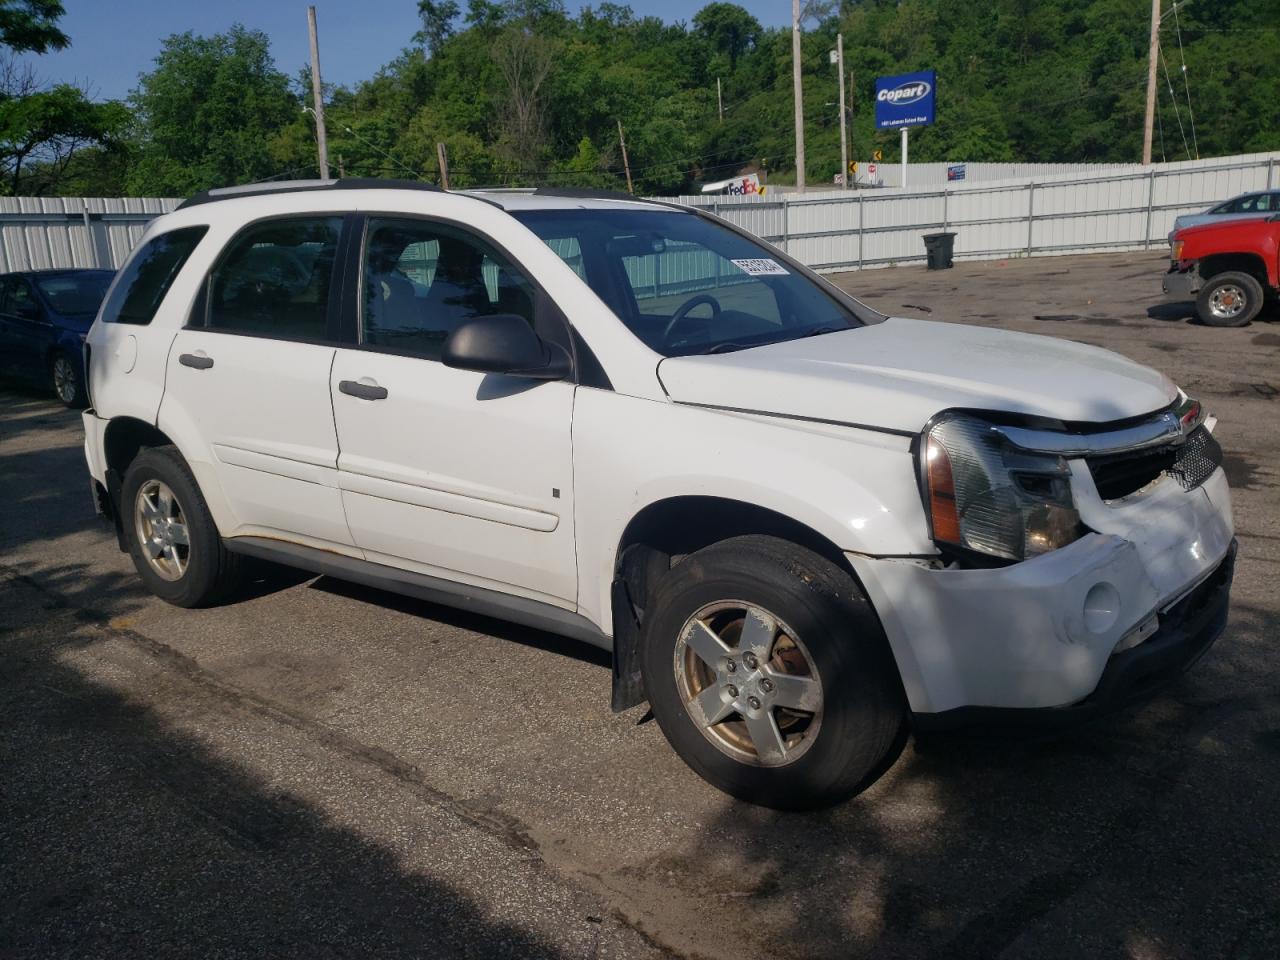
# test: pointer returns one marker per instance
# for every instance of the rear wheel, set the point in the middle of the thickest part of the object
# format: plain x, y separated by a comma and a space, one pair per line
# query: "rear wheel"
174, 543
1229, 299
769, 673
67, 382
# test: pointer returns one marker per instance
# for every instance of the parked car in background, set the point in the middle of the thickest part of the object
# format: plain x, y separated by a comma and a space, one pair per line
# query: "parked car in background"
1230, 269
44, 316
1247, 206
803, 528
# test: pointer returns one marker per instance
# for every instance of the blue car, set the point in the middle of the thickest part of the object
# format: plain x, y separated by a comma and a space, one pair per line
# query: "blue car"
44, 316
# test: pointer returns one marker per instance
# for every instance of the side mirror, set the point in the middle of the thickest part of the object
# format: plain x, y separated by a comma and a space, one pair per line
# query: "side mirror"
28, 310
504, 343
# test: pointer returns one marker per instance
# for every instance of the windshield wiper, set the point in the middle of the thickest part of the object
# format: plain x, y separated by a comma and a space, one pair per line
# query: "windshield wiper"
727, 348
819, 331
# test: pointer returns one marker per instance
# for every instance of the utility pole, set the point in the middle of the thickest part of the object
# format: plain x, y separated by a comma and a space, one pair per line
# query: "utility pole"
719, 100
904, 155
322, 142
844, 129
442, 155
799, 95
625, 163
1151, 82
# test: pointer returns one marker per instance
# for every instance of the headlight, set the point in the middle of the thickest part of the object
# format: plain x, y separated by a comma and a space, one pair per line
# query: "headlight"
985, 495
1176, 252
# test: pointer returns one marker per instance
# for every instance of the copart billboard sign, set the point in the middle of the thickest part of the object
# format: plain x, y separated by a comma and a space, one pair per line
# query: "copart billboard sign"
906, 100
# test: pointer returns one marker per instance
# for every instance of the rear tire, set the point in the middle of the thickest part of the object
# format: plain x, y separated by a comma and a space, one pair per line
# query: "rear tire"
800, 706
170, 533
1229, 299
67, 383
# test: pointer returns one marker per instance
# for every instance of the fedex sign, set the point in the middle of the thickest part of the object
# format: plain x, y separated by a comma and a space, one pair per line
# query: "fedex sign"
906, 100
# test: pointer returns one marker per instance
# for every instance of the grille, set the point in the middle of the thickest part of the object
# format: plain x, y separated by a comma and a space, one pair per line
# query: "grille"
1190, 463
1197, 459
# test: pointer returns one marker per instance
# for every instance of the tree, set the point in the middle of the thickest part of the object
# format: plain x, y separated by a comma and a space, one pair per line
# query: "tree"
31, 26
206, 116
437, 23
728, 28
524, 60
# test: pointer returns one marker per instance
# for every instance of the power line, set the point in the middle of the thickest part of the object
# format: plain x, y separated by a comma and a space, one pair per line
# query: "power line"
1185, 82
1173, 99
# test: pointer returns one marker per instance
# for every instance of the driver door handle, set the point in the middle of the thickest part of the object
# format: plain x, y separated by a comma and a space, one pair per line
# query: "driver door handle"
365, 391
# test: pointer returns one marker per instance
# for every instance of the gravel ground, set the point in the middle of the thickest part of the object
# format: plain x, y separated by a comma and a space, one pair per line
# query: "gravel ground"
326, 770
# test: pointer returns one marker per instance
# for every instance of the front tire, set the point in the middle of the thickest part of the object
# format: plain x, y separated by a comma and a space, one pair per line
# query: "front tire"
1229, 299
170, 533
68, 385
768, 672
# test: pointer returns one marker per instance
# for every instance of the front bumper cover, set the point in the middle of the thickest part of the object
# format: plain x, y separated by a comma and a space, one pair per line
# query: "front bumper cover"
1182, 284
1186, 632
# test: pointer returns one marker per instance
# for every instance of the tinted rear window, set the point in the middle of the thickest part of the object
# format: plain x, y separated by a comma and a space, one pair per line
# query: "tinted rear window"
145, 281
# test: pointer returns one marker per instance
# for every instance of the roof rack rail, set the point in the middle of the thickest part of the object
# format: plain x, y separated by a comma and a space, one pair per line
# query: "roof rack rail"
270, 187
588, 193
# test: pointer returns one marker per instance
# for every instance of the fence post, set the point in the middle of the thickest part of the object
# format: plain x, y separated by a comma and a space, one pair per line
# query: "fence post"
1031, 212
786, 225
1271, 166
1151, 199
945, 194
89, 237
861, 223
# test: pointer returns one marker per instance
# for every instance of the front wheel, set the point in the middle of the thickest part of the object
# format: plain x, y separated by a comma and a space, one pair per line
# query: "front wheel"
67, 382
770, 675
1229, 299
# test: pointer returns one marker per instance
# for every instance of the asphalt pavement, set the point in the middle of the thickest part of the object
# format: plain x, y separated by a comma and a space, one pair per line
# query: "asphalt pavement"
324, 770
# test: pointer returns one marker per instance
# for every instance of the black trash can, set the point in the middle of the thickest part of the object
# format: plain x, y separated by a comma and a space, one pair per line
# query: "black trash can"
937, 248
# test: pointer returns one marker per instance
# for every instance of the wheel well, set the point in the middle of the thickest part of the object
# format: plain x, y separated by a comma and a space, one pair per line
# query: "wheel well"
659, 536
125, 436
1249, 263
683, 525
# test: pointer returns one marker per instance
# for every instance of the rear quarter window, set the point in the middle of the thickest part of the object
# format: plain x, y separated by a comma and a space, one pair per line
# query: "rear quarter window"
141, 289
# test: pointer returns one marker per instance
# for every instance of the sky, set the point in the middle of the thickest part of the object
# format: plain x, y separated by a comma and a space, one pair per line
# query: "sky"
112, 41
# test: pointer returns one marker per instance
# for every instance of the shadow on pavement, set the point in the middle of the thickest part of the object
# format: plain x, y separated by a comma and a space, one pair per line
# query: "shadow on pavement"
124, 835
1172, 312
1147, 834
464, 620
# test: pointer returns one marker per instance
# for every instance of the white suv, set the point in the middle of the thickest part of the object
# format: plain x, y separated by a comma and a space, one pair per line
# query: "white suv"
802, 528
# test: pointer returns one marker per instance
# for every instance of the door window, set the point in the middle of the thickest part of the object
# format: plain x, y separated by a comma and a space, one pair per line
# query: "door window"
424, 280
1258, 203
138, 293
18, 299
274, 279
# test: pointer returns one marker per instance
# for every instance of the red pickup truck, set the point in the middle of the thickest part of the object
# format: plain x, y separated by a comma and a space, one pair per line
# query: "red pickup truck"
1230, 268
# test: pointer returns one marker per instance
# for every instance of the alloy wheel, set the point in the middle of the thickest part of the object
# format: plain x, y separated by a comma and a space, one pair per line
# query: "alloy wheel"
161, 527
748, 683
1228, 301
64, 379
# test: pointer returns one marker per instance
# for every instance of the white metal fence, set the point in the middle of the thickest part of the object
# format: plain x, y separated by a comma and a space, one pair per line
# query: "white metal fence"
40, 233
1130, 209
1124, 208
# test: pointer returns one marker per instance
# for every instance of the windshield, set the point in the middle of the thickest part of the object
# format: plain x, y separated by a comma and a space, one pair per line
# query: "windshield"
683, 284
72, 294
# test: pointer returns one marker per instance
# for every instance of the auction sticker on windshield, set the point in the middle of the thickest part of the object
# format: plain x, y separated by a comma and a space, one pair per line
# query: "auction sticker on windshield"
762, 267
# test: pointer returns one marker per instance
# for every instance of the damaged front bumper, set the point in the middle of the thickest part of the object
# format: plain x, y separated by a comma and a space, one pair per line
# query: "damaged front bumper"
1182, 284
1086, 628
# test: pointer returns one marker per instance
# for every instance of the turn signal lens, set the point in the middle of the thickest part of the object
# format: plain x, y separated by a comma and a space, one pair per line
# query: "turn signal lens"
1177, 250
942, 494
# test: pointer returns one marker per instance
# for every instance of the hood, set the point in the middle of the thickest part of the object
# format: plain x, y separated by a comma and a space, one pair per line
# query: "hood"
1202, 224
897, 374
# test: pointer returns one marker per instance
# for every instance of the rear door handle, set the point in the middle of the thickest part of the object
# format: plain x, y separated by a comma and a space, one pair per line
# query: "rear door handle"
365, 391
199, 361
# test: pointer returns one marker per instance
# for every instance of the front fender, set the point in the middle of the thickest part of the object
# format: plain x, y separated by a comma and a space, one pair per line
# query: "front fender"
857, 488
